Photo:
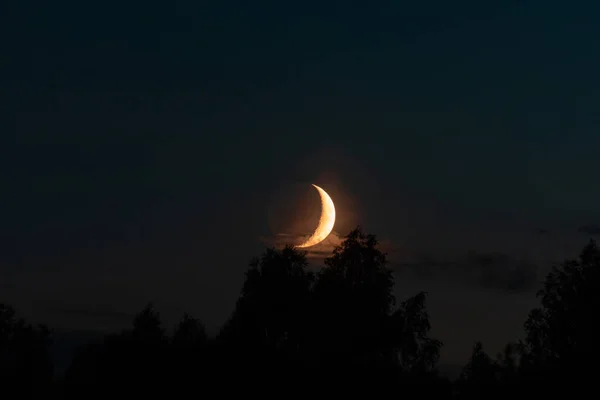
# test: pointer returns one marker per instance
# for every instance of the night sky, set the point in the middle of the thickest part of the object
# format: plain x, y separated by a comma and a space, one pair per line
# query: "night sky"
144, 148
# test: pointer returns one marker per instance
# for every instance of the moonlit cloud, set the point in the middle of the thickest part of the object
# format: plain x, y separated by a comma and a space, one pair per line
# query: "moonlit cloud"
318, 252
313, 253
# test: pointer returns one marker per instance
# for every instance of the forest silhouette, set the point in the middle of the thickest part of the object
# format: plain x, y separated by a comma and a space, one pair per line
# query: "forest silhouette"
341, 327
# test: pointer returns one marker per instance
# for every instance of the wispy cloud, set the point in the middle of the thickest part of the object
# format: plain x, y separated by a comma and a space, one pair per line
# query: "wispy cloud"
95, 311
316, 252
492, 270
498, 271
590, 229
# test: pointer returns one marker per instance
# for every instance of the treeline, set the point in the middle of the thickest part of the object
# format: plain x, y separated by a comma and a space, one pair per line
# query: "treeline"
341, 326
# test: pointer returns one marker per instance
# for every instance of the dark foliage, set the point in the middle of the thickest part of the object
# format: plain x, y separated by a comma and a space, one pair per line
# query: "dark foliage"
24, 352
340, 327
561, 334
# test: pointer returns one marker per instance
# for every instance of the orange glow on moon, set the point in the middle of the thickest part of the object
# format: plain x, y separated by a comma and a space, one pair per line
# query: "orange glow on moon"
326, 221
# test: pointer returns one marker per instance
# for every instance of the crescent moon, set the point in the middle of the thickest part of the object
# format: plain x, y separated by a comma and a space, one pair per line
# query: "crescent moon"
326, 221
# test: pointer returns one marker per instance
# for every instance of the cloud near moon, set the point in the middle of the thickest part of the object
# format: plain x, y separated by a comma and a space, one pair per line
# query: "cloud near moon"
316, 252
298, 209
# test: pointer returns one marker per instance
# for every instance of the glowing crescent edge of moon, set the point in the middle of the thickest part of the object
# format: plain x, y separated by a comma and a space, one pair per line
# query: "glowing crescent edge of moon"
326, 221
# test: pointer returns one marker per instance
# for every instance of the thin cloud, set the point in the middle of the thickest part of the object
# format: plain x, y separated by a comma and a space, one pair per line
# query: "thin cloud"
90, 312
316, 252
590, 229
497, 271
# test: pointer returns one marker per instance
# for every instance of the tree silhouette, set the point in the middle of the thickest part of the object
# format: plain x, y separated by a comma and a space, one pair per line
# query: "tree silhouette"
131, 358
561, 335
147, 327
481, 368
509, 364
417, 352
24, 352
484, 377
190, 333
354, 329
351, 303
342, 325
358, 270
480, 377
268, 324
188, 357
559, 342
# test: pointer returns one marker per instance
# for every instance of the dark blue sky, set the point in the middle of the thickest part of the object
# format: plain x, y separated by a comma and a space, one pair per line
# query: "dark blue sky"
140, 143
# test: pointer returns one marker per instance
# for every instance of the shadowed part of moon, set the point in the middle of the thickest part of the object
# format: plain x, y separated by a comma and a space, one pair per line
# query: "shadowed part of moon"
294, 211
